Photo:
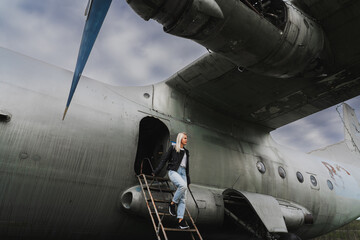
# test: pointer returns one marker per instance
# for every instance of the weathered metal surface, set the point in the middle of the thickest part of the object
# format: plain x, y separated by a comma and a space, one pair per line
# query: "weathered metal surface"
297, 47
65, 179
326, 50
271, 102
70, 175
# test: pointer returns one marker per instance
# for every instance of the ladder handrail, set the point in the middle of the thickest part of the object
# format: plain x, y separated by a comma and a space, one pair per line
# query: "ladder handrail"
147, 203
157, 213
189, 215
142, 163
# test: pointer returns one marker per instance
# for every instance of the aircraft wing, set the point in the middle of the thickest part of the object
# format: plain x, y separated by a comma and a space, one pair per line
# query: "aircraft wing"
274, 102
247, 95
269, 101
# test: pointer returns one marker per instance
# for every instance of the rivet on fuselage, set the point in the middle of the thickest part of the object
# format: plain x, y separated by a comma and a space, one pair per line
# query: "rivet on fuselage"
241, 69
36, 158
23, 155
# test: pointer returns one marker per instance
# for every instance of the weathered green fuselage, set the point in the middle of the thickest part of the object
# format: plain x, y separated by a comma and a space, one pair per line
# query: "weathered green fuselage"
64, 178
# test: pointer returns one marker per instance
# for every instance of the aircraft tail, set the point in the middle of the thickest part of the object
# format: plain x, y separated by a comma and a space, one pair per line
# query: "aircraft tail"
351, 128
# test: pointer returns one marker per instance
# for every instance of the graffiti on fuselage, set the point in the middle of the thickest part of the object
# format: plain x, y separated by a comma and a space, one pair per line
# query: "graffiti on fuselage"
335, 170
344, 182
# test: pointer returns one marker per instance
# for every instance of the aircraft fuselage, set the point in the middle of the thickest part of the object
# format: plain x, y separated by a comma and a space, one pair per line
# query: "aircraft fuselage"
65, 178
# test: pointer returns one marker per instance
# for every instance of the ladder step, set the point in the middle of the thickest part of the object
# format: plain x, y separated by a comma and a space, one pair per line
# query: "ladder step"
180, 230
160, 201
161, 213
161, 187
167, 214
159, 179
160, 190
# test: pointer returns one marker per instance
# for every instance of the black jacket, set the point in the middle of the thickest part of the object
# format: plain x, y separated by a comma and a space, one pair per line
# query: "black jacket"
174, 158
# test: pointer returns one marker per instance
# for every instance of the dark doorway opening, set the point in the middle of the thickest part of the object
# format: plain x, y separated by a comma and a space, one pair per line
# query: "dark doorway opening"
153, 142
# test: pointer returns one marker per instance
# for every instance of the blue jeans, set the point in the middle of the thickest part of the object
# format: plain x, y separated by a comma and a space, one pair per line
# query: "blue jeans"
178, 178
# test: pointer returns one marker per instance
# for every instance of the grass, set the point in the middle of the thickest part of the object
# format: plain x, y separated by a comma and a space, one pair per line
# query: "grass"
347, 232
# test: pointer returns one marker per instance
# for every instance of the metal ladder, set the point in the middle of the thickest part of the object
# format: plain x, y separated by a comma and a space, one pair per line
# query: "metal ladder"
162, 186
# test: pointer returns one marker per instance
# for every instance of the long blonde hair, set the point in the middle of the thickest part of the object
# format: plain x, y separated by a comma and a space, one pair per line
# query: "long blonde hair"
178, 141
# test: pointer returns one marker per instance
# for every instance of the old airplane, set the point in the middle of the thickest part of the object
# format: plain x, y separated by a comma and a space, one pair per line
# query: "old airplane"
270, 62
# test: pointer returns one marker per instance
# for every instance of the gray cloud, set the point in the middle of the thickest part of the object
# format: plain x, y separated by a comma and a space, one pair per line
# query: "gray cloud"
128, 51
38, 31
315, 131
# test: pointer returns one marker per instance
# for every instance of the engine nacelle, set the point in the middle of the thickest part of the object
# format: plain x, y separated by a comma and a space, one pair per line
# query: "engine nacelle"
212, 204
258, 213
295, 215
269, 37
276, 215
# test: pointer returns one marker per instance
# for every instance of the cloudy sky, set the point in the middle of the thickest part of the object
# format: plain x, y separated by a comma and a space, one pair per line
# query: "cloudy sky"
130, 51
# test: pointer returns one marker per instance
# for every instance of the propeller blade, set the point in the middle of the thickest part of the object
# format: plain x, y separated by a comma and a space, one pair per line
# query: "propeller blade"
96, 12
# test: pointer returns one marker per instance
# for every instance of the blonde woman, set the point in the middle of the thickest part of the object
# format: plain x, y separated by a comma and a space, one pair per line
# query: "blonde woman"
178, 170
